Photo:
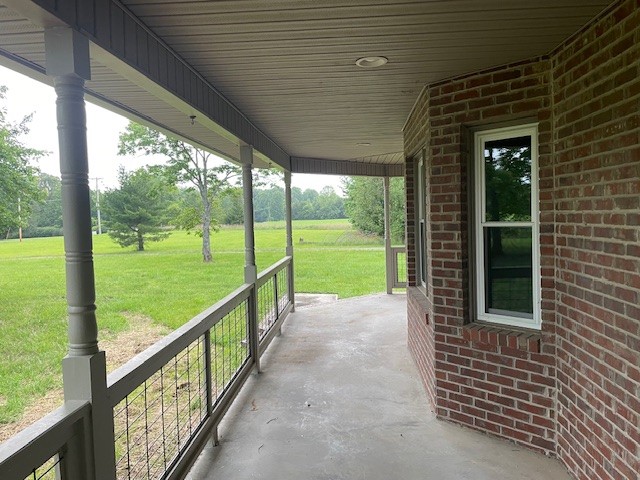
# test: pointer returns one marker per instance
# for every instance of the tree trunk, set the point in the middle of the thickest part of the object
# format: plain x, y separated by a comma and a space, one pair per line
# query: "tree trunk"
206, 231
140, 241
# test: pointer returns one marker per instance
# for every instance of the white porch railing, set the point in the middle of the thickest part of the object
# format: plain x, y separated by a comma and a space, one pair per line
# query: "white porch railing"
168, 400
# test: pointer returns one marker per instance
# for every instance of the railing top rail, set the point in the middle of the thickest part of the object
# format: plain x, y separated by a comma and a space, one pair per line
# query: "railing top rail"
37, 443
264, 276
398, 248
127, 378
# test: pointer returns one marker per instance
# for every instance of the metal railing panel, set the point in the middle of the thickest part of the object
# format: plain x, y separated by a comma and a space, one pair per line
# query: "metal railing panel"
167, 400
273, 300
39, 450
125, 379
399, 259
47, 471
267, 310
229, 349
282, 290
265, 275
274, 331
155, 423
159, 424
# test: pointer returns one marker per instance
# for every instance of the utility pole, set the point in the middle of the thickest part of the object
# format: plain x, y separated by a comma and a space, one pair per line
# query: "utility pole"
97, 179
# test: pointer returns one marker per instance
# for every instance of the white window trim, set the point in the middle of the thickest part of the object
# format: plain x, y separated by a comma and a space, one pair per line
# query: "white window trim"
480, 198
421, 254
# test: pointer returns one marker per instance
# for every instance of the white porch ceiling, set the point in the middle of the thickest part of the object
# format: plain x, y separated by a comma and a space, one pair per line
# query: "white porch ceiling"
289, 65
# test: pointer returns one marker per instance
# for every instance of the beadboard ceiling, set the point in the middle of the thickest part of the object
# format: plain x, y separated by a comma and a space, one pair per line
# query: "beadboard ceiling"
289, 65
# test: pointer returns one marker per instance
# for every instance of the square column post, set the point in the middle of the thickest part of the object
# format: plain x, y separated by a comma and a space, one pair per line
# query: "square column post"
84, 367
250, 269
289, 226
389, 261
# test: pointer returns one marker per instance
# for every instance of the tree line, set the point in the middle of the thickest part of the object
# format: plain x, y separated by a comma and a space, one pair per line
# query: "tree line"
175, 206
148, 192
190, 192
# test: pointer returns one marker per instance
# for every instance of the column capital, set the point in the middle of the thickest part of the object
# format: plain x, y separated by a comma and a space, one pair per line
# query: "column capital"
67, 53
246, 154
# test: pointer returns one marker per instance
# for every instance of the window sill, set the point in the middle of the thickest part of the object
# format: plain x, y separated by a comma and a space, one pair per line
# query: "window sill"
502, 337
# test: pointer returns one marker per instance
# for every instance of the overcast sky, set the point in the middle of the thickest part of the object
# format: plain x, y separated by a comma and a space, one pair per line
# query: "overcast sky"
26, 96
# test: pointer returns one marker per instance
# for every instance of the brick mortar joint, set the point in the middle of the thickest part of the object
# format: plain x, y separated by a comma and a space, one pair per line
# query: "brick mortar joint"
526, 340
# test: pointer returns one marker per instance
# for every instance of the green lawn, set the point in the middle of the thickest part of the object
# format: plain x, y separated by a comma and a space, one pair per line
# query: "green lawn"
168, 283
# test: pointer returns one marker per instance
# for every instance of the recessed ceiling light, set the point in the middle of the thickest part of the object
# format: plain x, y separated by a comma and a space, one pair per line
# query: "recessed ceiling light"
363, 144
371, 62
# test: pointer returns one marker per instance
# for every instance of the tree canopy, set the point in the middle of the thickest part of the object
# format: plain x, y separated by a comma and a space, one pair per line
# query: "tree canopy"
136, 211
185, 164
508, 183
365, 205
18, 176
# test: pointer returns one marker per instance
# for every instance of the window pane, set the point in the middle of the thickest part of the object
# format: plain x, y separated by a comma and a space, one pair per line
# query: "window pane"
508, 271
507, 171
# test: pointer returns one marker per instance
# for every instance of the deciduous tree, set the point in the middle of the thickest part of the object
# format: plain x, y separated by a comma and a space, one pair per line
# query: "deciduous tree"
18, 174
364, 205
186, 164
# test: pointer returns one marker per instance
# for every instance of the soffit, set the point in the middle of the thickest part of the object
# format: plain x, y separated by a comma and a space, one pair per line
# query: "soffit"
288, 65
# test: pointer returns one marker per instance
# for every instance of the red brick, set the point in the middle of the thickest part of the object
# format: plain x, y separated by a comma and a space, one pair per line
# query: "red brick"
572, 389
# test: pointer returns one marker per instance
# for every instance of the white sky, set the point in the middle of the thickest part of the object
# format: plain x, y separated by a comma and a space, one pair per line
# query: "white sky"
26, 96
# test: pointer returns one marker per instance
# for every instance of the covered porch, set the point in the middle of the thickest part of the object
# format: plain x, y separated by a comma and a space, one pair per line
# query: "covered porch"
339, 397
382, 89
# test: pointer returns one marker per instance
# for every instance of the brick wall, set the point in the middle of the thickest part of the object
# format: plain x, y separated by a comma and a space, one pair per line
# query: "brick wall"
596, 84
421, 342
489, 383
421, 338
573, 389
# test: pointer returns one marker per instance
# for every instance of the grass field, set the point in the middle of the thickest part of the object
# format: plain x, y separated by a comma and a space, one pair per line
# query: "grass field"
168, 283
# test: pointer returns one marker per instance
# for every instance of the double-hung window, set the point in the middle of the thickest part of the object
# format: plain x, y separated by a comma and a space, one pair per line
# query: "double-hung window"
507, 273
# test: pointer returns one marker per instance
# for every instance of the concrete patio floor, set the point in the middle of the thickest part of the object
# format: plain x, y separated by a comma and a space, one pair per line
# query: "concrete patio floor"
340, 398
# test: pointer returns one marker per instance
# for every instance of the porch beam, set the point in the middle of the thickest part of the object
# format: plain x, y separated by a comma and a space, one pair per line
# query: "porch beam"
387, 236
250, 269
160, 71
84, 367
289, 227
345, 167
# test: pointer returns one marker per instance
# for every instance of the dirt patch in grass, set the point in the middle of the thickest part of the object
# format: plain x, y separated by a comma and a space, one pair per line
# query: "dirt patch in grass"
120, 348
125, 345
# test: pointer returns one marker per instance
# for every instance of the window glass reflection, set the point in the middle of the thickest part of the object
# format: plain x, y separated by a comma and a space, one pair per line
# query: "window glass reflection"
507, 173
508, 271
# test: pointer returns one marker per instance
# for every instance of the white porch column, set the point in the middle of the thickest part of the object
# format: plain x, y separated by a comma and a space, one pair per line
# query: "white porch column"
387, 236
289, 226
250, 269
84, 367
